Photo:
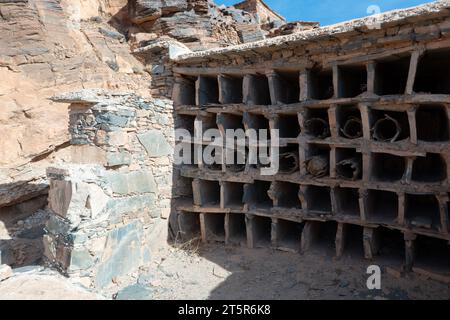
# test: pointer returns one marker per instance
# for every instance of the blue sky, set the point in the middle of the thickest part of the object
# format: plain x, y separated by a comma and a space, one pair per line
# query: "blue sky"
330, 11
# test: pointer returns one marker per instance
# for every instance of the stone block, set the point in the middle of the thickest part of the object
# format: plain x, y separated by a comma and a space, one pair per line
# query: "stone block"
122, 255
60, 196
86, 154
114, 159
81, 259
97, 200
5, 272
118, 138
135, 292
141, 182
155, 143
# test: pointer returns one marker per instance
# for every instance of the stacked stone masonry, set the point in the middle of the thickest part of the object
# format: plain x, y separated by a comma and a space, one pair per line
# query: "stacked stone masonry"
107, 203
363, 115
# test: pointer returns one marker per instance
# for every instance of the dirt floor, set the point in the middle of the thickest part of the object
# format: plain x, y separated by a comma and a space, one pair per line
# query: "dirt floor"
215, 272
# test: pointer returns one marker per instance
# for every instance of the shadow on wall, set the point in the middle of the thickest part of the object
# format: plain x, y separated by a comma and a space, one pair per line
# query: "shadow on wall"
22, 222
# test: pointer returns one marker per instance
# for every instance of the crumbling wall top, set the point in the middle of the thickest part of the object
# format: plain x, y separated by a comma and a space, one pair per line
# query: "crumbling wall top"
395, 17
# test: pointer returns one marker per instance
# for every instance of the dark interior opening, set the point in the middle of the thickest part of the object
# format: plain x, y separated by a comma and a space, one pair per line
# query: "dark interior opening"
184, 188
230, 121
238, 161
256, 194
233, 194
348, 164
388, 167
422, 211
205, 123
214, 227
347, 200
231, 89
262, 231
208, 90
289, 159
433, 73
349, 122
382, 206
288, 195
318, 160
319, 199
431, 168
288, 87
289, 235
317, 123
209, 193
321, 84
288, 125
187, 91
258, 91
186, 122
391, 75
325, 237
432, 255
258, 122
212, 160
432, 123
354, 244
389, 126
352, 81
237, 232
189, 224
391, 246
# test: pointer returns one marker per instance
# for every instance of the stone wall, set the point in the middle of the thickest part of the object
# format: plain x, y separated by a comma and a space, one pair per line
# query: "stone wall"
105, 205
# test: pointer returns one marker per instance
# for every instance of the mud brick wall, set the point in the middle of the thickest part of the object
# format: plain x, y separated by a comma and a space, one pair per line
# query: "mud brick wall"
107, 204
363, 115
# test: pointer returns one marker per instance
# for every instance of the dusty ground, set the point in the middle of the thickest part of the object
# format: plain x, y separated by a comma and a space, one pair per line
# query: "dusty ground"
216, 272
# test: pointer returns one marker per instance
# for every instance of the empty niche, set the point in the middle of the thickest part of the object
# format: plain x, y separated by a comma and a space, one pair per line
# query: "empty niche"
318, 160
287, 195
238, 162
213, 161
183, 187
433, 73
432, 255
321, 84
349, 164
318, 199
186, 93
288, 125
347, 200
190, 160
209, 193
287, 87
431, 168
324, 237
236, 228
391, 246
189, 224
432, 123
382, 206
353, 240
208, 90
262, 231
186, 122
289, 159
349, 122
230, 121
233, 194
205, 123
317, 123
423, 211
231, 89
214, 224
352, 80
389, 126
258, 90
289, 235
257, 122
256, 195
391, 75
387, 167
